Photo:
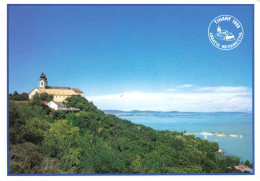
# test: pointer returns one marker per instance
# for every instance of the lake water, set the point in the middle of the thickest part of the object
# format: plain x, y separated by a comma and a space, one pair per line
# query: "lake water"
235, 146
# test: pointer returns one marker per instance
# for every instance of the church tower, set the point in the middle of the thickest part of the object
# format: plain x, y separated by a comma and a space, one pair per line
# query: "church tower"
43, 81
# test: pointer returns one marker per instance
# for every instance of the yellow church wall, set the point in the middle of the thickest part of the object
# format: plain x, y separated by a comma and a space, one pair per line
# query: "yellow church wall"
59, 93
56, 98
59, 98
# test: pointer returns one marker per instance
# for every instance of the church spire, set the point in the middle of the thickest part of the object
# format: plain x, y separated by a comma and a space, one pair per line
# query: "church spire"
43, 81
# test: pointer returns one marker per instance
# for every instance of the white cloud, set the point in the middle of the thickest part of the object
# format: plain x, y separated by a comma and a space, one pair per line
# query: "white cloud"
185, 86
208, 99
171, 90
224, 89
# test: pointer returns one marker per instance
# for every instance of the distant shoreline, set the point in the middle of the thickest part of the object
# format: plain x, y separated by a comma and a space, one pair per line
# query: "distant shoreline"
173, 113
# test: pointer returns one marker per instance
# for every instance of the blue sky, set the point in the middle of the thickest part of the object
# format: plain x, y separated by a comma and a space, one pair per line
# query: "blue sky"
109, 51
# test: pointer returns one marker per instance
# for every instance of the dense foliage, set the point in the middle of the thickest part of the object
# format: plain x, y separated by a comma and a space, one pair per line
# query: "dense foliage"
42, 97
19, 97
89, 141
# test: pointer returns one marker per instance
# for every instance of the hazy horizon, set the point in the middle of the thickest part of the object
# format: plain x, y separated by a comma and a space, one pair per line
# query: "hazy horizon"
133, 57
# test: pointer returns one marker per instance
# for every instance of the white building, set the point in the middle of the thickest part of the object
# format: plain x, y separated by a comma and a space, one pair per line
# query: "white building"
56, 105
60, 106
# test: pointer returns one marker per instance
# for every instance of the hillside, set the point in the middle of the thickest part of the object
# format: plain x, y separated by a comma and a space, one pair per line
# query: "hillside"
90, 141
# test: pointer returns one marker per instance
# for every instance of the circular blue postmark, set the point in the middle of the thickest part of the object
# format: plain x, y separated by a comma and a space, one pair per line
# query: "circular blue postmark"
225, 32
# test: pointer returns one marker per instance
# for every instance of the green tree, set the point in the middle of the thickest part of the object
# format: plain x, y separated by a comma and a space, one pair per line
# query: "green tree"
81, 103
35, 130
101, 158
62, 142
137, 166
20, 117
19, 97
42, 97
24, 158
15, 93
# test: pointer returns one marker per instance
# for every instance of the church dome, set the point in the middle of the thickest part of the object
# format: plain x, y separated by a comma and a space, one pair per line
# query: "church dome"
43, 76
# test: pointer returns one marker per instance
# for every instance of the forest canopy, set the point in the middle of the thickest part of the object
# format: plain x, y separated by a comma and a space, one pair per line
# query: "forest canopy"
89, 141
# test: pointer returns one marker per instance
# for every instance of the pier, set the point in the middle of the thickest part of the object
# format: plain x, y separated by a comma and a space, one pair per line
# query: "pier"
221, 134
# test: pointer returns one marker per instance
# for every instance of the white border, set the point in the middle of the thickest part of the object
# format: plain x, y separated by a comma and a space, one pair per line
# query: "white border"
3, 90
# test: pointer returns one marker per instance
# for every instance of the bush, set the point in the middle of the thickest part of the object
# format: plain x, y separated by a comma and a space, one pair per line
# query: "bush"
24, 158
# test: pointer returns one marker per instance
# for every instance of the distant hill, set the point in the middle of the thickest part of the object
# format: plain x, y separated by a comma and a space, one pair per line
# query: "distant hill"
171, 113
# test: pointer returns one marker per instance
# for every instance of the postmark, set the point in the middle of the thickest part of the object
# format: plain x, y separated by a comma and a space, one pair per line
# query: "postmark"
225, 32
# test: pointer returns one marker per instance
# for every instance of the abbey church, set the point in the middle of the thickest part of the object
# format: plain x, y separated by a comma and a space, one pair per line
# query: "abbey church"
59, 93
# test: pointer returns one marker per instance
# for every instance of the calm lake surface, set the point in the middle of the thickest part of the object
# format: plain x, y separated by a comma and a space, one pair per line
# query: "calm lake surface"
231, 124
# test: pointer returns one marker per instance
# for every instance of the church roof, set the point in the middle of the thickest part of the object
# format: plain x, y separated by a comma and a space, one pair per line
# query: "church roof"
57, 87
55, 90
77, 90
